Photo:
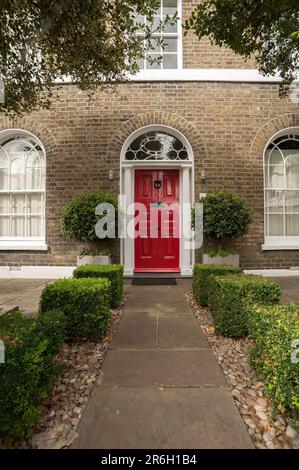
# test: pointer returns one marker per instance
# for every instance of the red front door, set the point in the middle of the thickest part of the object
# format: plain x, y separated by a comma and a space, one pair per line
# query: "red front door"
157, 228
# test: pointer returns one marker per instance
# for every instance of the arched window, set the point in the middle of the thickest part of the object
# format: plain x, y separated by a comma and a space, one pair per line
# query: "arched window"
282, 189
156, 145
22, 190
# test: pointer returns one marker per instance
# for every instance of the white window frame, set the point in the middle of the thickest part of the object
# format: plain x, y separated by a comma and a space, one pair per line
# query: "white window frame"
25, 243
153, 74
278, 242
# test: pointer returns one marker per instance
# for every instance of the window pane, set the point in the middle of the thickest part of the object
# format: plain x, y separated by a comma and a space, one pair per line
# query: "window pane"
155, 24
155, 46
170, 7
4, 178
292, 225
274, 201
276, 176
34, 226
275, 225
34, 203
292, 201
170, 45
170, 28
33, 179
18, 226
4, 226
4, 203
292, 171
153, 61
17, 173
18, 204
170, 61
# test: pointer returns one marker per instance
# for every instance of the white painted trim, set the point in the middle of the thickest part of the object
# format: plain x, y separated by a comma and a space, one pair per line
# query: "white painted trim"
196, 75
273, 272
282, 246
36, 272
127, 170
22, 245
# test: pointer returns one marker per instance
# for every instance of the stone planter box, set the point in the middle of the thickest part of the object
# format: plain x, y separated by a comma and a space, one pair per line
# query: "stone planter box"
81, 260
233, 260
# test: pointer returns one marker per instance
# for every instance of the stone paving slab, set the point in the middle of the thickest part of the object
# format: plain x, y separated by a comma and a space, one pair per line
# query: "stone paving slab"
135, 332
159, 294
180, 333
124, 418
25, 293
184, 368
157, 308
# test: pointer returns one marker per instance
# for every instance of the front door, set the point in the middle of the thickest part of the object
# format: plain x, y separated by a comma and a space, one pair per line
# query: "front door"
157, 228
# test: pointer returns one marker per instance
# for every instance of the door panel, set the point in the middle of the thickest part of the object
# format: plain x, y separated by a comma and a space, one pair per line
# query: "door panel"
157, 233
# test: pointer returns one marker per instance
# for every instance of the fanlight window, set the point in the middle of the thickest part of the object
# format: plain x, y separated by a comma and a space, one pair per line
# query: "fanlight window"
22, 188
282, 187
156, 145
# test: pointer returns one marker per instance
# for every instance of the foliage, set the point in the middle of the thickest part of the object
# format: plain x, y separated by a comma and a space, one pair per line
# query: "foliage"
230, 298
266, 30
275, 355
225, 216
212, 253
95, 252
85, 303
113, 272
28, 371
79, 219
94, 42
202, 279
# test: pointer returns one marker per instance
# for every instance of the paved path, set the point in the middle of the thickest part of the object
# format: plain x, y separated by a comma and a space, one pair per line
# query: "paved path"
161, 386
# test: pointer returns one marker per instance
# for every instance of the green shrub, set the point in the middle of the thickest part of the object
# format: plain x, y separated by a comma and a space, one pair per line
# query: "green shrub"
225, 216
202, 279
28, 371
85, 303
231, 296
79, 218
113, 272
275, 330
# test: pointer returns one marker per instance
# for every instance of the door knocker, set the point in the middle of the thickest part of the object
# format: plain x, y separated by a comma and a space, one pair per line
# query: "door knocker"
157, 184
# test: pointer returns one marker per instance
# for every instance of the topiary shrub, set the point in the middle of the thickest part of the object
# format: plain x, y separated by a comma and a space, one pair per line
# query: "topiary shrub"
79, 218
225, 217
201, 282
85, 303
230, 298
28, 371
275, 355
113, 272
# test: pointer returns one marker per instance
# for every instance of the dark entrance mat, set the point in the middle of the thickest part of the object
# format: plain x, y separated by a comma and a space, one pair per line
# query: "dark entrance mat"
155, 281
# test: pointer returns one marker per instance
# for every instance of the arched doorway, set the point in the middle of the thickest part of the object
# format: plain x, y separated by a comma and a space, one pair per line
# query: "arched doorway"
157, 169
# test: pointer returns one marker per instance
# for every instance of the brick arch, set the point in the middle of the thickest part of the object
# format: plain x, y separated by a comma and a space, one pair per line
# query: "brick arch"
269, 129
158, 118
33, 126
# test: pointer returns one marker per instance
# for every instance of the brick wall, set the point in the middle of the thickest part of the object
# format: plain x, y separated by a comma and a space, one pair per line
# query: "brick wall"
227, 125
200, 54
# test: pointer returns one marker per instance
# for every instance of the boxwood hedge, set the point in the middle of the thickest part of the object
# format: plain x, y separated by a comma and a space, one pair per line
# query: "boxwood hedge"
230, 298
202, 279
28, 370
113, 272
275, 355
85, 303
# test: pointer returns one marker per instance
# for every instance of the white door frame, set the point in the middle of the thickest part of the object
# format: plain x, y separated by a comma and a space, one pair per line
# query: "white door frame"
186, 171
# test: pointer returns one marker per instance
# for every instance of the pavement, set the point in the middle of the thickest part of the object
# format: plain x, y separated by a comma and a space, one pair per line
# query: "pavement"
161, 386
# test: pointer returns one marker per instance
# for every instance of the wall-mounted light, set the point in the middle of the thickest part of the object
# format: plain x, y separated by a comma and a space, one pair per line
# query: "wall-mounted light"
110, 174
203, 174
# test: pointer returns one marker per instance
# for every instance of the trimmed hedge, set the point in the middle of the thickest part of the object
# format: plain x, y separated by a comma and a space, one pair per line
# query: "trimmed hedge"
202, 279
28, 371
275, 355
85, 303
231, 296
113, 272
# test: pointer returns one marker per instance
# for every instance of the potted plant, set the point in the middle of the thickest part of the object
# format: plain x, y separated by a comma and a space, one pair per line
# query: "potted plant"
225, 217
79, 222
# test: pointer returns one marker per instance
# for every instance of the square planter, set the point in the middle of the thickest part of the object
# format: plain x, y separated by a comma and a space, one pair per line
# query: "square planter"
81, 260
233, 260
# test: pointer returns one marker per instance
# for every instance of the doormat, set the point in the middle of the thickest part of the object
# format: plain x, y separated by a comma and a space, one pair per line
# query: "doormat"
155, 281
